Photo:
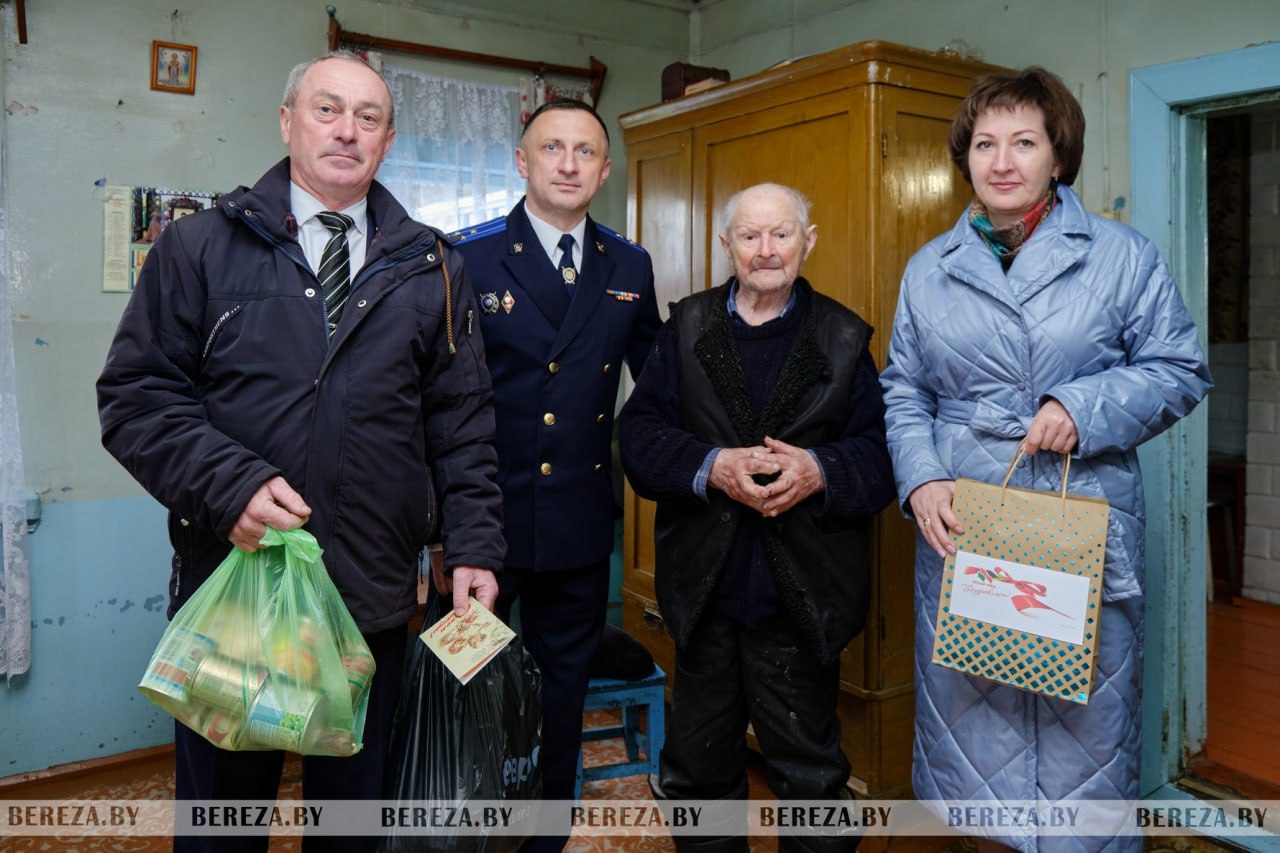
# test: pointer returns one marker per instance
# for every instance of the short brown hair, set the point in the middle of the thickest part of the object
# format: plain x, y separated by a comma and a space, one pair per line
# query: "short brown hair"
567, 104
1030, 87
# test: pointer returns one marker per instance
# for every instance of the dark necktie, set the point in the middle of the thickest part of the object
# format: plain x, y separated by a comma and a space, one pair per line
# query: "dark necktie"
567, 271
335, 266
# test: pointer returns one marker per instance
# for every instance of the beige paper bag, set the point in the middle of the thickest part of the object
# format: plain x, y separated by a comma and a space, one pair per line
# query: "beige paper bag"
1021, 599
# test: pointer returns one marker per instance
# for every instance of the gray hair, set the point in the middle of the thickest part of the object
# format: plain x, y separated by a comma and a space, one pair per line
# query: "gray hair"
294, 83
799, 202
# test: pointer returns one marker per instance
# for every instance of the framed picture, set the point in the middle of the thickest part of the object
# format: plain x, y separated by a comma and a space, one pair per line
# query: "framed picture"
155, 207
173, 67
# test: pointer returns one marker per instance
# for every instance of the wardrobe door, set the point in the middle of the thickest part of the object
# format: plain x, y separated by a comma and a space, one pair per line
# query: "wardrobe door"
659, 218
805, 144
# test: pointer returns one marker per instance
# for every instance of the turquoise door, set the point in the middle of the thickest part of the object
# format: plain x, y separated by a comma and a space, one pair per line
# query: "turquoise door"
1167, 106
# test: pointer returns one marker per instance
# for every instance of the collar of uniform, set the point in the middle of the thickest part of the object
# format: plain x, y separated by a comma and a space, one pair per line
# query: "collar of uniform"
549, 237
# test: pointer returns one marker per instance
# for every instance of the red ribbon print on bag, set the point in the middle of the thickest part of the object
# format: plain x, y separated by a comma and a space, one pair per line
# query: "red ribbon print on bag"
1030, 592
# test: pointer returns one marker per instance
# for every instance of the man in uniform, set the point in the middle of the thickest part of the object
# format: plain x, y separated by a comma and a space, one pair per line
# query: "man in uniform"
563, 302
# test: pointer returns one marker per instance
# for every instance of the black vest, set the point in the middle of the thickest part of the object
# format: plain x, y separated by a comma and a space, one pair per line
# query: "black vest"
819, 566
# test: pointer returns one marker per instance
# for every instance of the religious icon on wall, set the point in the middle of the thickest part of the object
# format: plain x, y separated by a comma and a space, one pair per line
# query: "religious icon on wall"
173, 67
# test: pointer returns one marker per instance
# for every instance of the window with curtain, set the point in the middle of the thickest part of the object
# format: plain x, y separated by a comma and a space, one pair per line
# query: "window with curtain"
453, 162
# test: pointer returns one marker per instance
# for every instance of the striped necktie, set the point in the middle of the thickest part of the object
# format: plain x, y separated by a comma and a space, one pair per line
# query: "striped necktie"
335, 266
567, 270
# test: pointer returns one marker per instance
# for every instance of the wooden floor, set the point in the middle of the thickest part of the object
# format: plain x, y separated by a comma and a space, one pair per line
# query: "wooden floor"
1241, 757
1242, 752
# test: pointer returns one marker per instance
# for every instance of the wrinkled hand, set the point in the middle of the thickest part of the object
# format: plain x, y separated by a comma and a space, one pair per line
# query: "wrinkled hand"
1051, 429
931, 505
734, 470
275, 504
800, 478
464, 582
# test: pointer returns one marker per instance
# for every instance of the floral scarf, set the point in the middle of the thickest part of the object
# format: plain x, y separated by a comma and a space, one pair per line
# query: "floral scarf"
1005, 242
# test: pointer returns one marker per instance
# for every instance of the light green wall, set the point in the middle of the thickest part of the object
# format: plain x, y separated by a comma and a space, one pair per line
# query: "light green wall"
1091, 44
80, 110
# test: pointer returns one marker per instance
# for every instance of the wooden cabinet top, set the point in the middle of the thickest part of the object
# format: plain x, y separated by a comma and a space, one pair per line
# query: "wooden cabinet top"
853, 65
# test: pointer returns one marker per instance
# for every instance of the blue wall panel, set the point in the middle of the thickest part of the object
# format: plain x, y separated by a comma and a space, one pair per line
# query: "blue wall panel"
99, 571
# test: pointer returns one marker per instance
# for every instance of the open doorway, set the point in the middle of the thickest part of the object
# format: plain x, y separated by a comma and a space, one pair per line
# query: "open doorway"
1170, 106
1241, 748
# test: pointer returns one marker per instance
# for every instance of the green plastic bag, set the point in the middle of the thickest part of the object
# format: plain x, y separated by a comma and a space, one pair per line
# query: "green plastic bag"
264, 655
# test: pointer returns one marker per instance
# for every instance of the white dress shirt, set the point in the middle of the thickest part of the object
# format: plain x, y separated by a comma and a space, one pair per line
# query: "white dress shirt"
549, 236
313, 236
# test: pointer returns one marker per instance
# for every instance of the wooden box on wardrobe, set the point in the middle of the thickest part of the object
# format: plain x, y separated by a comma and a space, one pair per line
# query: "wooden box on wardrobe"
862, 131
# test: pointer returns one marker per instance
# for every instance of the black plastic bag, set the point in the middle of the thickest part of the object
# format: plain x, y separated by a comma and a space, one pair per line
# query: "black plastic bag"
454, 744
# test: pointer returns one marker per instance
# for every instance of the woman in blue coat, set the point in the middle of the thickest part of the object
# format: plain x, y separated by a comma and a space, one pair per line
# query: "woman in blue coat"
1033, 322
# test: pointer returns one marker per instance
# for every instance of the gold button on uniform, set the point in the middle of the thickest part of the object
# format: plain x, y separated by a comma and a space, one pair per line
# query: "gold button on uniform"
600, 418
548, 419
598, 467
608, 368
545, 468
553, 367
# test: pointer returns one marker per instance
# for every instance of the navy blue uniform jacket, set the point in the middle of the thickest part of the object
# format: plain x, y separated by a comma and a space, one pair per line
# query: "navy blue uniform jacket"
555, 364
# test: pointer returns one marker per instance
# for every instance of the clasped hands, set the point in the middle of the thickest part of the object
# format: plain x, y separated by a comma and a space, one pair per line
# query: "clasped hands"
769, 478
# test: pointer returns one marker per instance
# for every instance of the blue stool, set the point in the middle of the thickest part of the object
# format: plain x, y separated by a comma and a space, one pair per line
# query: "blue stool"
606, 693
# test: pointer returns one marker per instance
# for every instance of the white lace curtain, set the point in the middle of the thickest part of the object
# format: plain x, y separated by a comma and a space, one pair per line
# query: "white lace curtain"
15, 576
453, 162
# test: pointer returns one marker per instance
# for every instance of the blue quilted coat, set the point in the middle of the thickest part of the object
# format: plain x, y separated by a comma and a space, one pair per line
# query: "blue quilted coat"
1089, 316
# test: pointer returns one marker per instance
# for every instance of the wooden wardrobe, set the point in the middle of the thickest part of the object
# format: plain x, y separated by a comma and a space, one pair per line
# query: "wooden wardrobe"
862, 131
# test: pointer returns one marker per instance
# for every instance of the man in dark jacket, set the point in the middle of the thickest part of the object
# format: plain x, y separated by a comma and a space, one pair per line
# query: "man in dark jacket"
558, 324
758, 427
304, 355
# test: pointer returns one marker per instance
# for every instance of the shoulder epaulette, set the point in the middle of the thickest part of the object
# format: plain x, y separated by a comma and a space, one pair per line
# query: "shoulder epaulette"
474, 232
609, 232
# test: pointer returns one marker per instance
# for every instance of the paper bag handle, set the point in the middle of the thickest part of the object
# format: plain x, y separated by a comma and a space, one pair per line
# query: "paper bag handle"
1066, 466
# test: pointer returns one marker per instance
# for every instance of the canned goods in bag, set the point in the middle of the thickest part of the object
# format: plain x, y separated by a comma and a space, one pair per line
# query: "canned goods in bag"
175, 661
359, 670
283, 716
222, 729
227, 683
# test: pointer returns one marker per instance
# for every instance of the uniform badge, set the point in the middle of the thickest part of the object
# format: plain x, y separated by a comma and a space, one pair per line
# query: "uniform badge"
489, 302
600, 247
508, 302
518, 247
623, 295
570, 274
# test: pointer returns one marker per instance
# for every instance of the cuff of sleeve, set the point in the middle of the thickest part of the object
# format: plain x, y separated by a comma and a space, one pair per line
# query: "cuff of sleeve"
827, 484
701, 478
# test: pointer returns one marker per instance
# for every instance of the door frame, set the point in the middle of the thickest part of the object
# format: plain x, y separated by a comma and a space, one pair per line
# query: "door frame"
1168, 105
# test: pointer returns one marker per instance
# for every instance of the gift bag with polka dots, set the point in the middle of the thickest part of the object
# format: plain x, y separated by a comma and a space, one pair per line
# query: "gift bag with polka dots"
1021, 597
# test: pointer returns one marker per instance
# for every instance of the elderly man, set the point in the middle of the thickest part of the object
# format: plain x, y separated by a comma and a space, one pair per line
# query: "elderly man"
292, 358
758, 427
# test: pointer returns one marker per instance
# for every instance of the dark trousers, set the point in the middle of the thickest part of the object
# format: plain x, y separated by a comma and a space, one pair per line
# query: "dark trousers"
562, 616
769, 677
205, 772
